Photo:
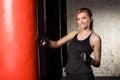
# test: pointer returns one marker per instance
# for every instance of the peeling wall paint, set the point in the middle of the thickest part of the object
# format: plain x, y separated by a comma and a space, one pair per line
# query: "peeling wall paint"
106, 15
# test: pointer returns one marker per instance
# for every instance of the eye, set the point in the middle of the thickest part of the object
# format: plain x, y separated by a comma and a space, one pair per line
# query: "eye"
78, 19
84, 17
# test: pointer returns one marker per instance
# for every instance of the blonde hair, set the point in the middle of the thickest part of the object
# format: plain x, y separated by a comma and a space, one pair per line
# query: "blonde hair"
88, 11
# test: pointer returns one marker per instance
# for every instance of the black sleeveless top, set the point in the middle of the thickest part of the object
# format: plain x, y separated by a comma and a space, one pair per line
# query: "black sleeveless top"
75, 65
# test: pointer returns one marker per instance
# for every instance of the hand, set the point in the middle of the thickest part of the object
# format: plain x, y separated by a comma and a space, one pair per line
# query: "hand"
43, 41
87, 58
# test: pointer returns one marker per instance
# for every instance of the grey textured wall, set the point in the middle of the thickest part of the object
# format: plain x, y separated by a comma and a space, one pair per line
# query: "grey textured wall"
106, 15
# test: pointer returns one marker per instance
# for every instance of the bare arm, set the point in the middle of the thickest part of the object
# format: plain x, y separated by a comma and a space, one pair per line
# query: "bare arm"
96, 44
65, 39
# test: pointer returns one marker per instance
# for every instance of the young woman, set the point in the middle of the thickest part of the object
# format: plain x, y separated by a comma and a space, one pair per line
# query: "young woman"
83, 42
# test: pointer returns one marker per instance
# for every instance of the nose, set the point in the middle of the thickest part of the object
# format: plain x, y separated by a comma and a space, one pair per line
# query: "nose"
80, 21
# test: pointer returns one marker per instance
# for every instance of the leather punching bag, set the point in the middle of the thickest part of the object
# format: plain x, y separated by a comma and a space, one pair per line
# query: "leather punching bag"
18, 49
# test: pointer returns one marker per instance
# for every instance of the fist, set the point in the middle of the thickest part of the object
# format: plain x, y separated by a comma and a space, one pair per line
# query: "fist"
86, 58
43, 41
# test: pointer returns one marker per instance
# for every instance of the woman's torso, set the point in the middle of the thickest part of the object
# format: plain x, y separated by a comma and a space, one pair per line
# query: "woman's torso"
75, 65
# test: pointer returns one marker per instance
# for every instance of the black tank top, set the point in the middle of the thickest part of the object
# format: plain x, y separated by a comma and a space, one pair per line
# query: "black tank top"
75, 65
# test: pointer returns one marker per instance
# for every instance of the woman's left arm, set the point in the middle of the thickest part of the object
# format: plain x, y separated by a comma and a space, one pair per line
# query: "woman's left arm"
96, 41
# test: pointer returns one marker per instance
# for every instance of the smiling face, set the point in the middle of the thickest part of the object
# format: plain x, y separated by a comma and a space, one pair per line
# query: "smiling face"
84, 19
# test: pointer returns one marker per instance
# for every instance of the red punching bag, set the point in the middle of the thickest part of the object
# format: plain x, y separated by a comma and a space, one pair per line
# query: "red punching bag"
18, 49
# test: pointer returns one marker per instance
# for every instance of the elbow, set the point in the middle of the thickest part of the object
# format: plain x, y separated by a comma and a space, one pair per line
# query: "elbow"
53, 45
97, 64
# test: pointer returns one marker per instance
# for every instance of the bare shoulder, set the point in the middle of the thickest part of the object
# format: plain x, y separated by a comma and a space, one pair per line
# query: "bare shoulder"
95, 37
68, 37
73, 33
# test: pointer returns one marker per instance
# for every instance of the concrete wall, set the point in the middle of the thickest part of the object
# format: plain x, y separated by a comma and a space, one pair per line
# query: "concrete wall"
106, 15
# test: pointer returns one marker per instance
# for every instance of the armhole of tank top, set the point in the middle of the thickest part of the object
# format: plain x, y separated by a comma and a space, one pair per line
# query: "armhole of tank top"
75, 35
90, 39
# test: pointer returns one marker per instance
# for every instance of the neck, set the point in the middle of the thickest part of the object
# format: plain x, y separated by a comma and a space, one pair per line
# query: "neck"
86, 30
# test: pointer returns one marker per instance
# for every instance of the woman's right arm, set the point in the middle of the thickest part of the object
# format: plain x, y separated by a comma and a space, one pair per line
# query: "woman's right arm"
62, 41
